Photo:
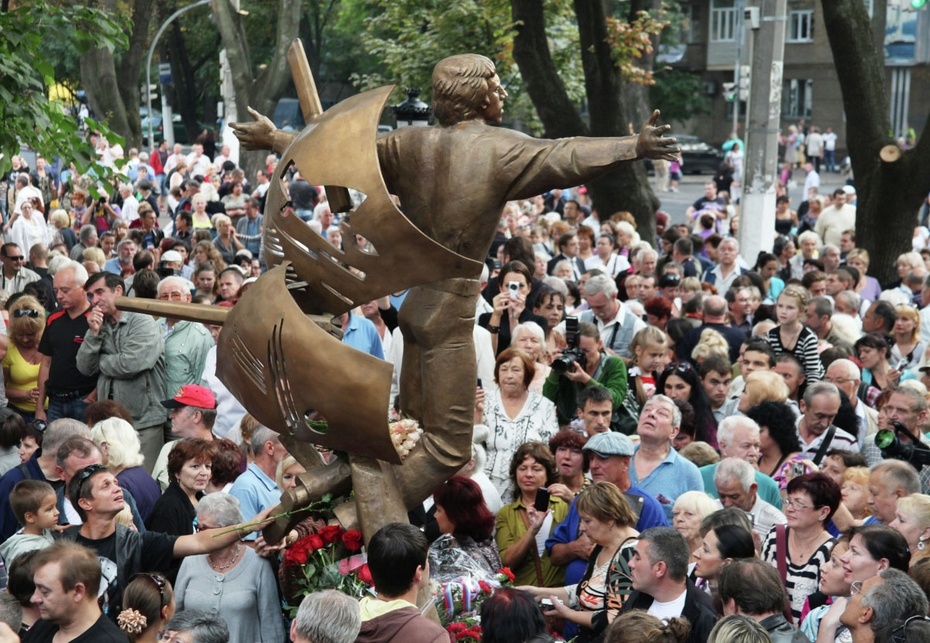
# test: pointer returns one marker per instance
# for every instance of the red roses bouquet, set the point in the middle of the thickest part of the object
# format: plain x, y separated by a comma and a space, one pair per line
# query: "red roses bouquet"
332, 558
458, 602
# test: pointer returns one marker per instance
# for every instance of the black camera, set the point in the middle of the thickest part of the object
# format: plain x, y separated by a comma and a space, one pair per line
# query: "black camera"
914, 452
564, 362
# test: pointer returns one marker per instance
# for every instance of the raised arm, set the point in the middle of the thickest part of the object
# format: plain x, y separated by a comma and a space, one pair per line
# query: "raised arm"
261, 134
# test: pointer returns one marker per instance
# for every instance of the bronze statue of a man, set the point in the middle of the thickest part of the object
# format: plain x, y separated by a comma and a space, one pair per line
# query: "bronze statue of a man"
453, 181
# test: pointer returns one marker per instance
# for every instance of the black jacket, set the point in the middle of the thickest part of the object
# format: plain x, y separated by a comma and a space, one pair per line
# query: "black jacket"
699, 610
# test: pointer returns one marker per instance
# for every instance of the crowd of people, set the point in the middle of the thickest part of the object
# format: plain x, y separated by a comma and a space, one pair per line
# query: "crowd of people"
671, 443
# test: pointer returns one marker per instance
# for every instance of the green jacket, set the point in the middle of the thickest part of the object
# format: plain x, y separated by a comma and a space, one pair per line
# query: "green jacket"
610, 373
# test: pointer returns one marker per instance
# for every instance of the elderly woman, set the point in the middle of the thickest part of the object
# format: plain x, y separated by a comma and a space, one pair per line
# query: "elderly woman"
595, 601
189, 465
29, 228
530, 338
122, 455
912, 520
908, 349
226, 241
522, 530
690, 510
21, 363
811, 501
466, 546
868, 287
234, 580
514, 415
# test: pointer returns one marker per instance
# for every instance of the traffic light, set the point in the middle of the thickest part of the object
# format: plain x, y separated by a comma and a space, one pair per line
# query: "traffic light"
729, 92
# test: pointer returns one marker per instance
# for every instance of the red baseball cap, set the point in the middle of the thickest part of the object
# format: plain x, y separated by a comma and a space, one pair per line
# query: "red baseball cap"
192, 395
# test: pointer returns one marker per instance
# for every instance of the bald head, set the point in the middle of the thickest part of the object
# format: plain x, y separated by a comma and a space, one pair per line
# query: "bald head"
715, 309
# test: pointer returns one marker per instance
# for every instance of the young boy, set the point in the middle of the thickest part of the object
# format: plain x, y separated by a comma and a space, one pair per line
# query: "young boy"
34, 505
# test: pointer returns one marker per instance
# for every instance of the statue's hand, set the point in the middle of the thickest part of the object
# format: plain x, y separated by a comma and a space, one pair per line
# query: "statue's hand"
652, 144
258, 135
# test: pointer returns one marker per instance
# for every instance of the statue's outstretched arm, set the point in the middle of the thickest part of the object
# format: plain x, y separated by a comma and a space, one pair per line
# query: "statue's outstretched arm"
261, 134
651, 144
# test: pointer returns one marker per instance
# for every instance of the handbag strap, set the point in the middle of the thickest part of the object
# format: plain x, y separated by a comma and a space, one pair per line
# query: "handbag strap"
781, 551
526, 523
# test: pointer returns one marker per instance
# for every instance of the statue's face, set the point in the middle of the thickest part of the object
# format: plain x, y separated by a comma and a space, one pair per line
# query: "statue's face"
494, 111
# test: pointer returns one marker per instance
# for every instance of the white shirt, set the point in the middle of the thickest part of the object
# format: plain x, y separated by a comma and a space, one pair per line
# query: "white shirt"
672, 609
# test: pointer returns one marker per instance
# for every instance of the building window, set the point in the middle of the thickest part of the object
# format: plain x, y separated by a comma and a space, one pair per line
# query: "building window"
722, 20
797, 98
801, 25
693, 24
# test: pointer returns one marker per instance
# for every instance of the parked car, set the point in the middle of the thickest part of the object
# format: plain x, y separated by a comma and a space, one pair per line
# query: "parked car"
699, 157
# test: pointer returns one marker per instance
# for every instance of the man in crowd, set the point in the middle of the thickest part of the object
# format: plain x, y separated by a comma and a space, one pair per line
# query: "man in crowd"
397, 558
879, 318
186, 342
328, 616
614, 321
727, 269
819, 407
87, 239
229, 283
753, 588
249, 227
739, 301
890, 481
121, 264
196, 626
256, 489
735, 481
792, 371
716, 377
738, 437
67, 389
819, 311
907, 407
568, 251
67, 578
880, 605
833, 221
14, 276
845, 375
715, 318
126, 352
659, 571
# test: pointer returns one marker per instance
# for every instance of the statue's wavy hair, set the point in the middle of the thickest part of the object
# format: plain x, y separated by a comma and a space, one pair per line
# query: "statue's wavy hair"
460, 87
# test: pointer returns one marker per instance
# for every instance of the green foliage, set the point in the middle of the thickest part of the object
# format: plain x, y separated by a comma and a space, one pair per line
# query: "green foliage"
680, 93
27, 116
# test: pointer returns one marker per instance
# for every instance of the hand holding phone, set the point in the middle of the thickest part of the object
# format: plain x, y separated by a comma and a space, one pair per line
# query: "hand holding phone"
541, 503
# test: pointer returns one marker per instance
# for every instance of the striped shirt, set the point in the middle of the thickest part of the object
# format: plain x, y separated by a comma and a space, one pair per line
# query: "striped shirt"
805, 349
803, 580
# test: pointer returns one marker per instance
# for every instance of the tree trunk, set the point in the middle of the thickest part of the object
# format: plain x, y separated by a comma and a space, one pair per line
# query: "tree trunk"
889, 193
262, 91
626, 188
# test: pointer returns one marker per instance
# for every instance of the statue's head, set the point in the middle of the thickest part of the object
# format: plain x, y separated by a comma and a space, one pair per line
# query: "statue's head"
461, 87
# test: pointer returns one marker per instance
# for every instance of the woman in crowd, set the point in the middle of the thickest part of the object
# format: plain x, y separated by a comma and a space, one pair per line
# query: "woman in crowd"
585, 244
205, 280
189, 473
234, 579
148, 605
792, 336
568, 448
767, 266
737, 628
60, 230
778, 437
638, 626
762, 386
509, 305
529, 337
595, 601
466, 546
521, 530
30, 441
719, 546
856, 494
786, 219
877, 372
21, 363
872, 550
122, 455
514, 415
199, 214
226, 242
912, 521
550, 305
811, 501
690, 510
228, 463
203, 253
510, 615
868, 287
680, 381
908, 349
833, 586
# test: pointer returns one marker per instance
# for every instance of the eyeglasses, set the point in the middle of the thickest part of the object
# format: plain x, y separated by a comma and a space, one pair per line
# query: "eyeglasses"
86, 473
15, 258
855, 588
25, 312
794, 504
159, 581
173, 296
839, 380
199, 526
899, 634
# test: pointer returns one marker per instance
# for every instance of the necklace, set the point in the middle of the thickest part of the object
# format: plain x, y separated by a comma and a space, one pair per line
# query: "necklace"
222, 568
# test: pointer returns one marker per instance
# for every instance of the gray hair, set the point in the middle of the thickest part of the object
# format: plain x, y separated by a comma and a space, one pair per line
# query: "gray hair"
668, 546
735, 469
898, 475
180, 282
222, 509
896, 598
600, 285
260, 436
918, 401
732, 241
820, 388
557, 284
676, 413
853, 299
11, 612
729, 426
328, 617
123, 447
529, 327
88, 230
80, 272
823, 307
738, 628
60, 431
202, 626
849, 367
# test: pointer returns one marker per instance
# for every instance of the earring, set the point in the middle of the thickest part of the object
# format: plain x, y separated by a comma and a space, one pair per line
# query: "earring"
920, 543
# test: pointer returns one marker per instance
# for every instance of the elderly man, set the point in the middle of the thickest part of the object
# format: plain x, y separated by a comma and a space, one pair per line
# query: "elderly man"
614, 321
753, 588
879, 607
738, 437
121, 264
229, 283
735, 482
727, 270
129, 209
67, 578
659, 571
819, 407
87, 238
817, 318
196, 626
326, 617
256, 489
68, 390
890, 481
909, 408
656, 466
186, 343
845, 375
126, 352
192, 412
715, 318
14, 276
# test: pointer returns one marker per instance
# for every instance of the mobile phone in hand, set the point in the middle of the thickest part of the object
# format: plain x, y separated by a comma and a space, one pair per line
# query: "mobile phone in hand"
541, 503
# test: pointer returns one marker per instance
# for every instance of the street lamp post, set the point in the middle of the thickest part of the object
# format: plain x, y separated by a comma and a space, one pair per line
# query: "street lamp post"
412, 112
148, 63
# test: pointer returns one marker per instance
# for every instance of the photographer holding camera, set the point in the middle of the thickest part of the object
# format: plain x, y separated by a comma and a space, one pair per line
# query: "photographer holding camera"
510, 309
584, 363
